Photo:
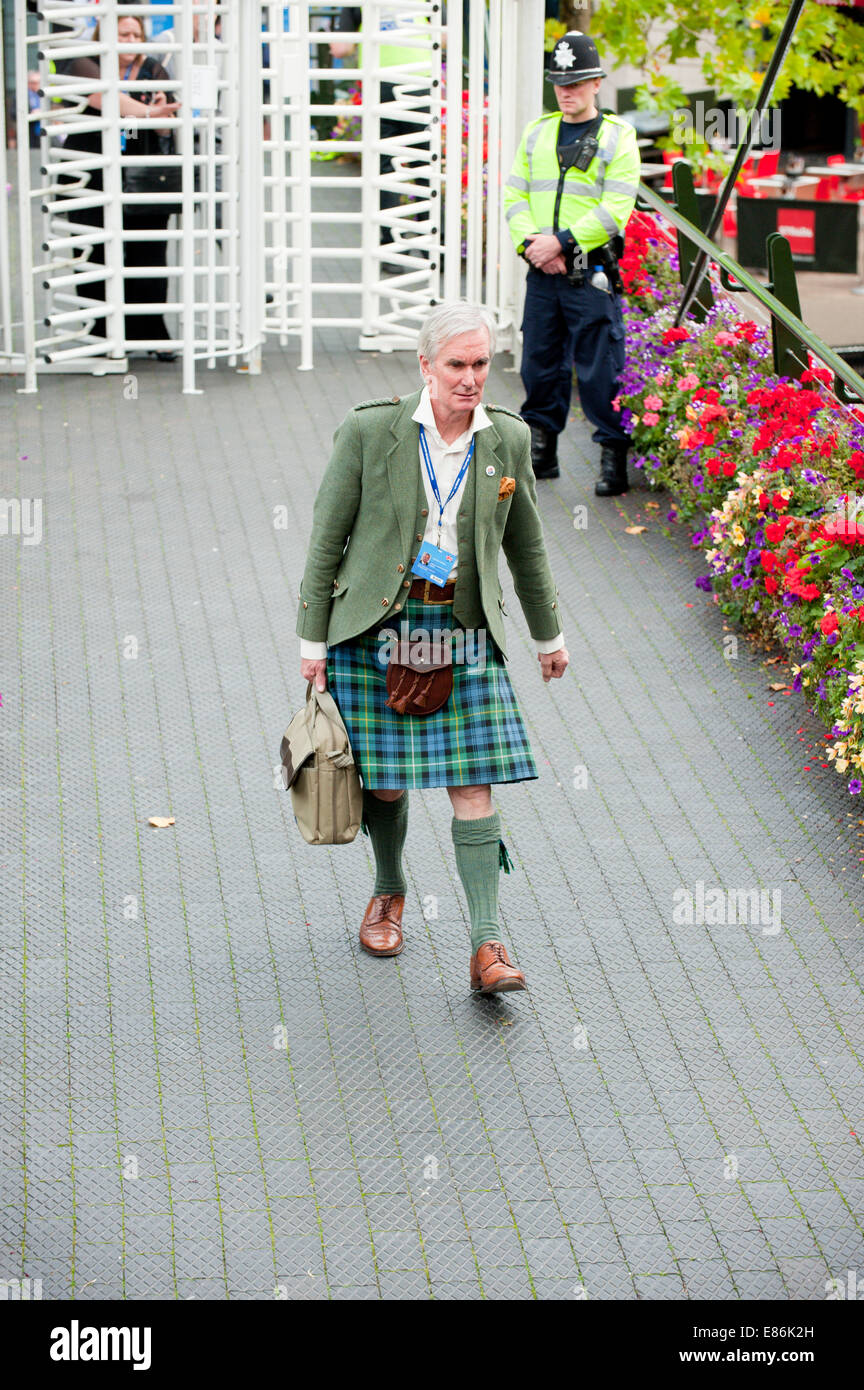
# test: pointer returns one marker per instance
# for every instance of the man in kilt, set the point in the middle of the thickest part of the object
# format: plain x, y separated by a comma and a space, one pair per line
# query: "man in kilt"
418, 499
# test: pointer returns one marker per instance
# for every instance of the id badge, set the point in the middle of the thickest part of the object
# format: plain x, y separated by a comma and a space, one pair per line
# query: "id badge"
433, 564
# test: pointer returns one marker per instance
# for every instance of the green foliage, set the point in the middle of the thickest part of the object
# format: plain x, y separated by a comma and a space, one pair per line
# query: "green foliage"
734, 40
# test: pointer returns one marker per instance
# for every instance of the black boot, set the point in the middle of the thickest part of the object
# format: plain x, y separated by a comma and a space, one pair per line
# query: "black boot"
613, 470
544, 453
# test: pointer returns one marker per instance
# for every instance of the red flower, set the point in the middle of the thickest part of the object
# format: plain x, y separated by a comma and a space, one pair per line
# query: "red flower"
729, 467
774, 530
829, 623
768, 559
713, 466
675, 335
779, 503
771, 583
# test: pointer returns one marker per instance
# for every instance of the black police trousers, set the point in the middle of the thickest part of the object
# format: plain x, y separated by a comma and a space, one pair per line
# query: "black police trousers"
565, 326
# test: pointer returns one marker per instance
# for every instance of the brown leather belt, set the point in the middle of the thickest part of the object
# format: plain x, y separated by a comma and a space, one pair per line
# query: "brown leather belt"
432, 593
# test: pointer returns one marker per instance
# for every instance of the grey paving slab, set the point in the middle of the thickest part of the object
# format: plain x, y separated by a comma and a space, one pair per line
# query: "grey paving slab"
211, 1092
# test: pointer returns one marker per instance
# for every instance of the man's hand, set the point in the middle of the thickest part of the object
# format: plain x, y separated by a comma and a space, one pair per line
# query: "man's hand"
314, 671
554, 664
340, 49
543, 248
556, 267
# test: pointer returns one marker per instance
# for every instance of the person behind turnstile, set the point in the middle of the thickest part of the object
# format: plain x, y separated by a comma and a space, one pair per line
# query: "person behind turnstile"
570, 192
350, 21
139, 325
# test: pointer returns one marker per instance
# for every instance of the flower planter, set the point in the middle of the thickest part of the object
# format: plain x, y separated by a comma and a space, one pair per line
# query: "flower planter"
776, 465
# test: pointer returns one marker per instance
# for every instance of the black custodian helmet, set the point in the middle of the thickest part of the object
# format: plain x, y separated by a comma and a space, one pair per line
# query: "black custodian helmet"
574, 59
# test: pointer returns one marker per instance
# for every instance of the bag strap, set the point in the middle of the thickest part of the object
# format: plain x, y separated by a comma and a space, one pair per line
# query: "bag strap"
323, 700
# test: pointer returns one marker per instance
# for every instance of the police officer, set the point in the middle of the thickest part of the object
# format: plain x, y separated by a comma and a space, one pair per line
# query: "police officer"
571, 190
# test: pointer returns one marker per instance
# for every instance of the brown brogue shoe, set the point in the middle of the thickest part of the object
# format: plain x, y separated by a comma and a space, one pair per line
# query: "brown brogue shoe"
492, 971
381, 928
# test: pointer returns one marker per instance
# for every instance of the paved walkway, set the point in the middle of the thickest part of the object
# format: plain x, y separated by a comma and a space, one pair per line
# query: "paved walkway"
210, 1091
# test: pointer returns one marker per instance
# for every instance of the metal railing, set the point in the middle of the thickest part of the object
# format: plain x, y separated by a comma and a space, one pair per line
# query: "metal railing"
779, 297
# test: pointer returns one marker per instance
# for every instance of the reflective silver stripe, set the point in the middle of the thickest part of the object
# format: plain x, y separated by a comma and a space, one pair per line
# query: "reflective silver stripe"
543, 186
616, 186
531, 142
514, 181
547, 231
607, 154
511, 212
606, 220
574, 189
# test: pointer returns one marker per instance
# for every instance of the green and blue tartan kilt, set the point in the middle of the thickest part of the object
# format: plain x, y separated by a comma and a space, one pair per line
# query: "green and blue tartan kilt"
477, 738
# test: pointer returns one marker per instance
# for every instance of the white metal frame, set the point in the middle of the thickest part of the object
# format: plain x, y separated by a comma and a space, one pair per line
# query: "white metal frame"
273, 239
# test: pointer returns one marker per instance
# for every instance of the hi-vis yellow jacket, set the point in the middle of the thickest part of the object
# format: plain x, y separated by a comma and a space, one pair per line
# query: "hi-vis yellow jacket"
593, 206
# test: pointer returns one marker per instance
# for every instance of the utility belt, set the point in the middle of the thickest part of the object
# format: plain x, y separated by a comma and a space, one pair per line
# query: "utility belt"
601, 269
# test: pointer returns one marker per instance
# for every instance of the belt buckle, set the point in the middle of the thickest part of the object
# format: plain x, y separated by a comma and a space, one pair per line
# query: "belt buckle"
427, 591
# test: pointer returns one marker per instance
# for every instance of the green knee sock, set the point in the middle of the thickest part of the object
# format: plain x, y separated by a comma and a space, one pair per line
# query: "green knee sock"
387, 826
480, 854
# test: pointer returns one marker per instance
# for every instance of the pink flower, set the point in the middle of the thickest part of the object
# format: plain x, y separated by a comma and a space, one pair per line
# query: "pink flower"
725, 339
688, 382
650, 418
652, 402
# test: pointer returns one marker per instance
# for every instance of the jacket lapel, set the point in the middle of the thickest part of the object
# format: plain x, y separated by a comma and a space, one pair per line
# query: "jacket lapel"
485, 484
403, 469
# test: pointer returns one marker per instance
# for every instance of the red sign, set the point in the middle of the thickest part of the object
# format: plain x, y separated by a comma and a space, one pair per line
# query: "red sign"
799, 228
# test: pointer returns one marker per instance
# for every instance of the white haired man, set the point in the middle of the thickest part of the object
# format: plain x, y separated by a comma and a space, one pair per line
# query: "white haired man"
420, 496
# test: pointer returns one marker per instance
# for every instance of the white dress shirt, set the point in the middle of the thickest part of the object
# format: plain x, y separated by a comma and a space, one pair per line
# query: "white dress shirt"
447, 459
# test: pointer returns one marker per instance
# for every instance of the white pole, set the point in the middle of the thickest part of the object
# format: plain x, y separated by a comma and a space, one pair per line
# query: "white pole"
251, 182
5, 282
370, 264
303, 204
476, 82
112, 179
453, 180
25, 233
187, 243
493, 174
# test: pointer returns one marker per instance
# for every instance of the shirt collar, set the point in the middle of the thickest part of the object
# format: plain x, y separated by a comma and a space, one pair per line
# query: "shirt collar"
424, 415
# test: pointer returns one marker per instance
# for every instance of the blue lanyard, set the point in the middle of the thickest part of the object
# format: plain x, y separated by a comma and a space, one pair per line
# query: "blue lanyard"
427, 459
123, 136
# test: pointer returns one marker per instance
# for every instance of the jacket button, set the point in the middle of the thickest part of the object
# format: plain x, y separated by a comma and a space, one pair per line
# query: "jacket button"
396, 400
305, 605
400, 569
425, 511
335, 583
406, 583
384, 602
396, 607
419, 536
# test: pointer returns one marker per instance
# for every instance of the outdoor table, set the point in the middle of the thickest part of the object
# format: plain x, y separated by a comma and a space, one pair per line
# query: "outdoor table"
844, 171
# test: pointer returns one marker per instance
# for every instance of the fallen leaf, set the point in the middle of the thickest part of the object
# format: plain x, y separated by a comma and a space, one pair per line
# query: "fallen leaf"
634, 530
778, 685
653, 505
160, 822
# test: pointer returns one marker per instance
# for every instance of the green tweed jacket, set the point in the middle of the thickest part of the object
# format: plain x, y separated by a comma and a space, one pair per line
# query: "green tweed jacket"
370, 514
